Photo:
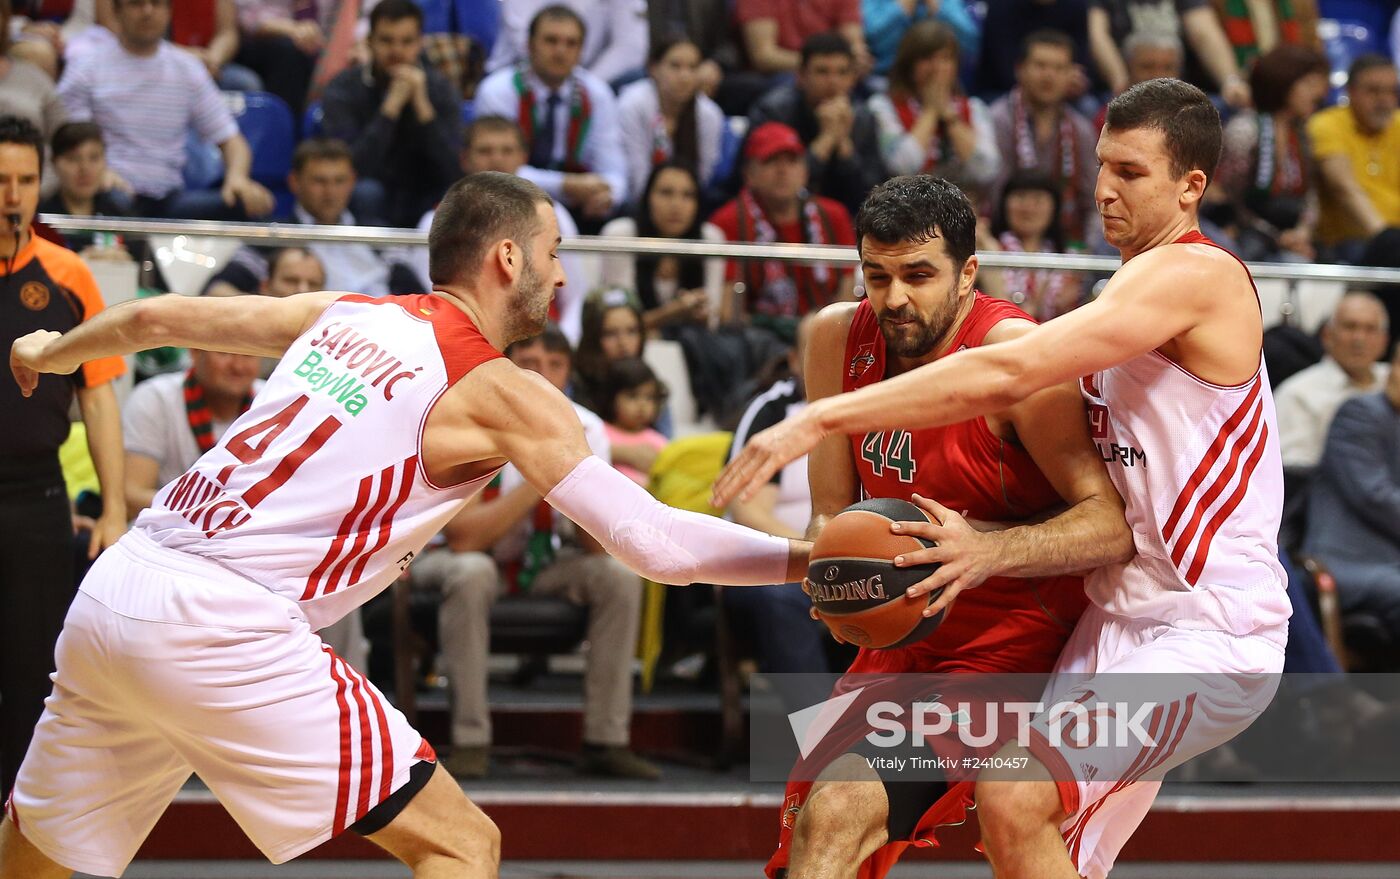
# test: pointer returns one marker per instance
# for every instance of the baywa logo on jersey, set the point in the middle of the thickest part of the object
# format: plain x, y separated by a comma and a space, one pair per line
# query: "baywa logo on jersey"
365, 361
864, 359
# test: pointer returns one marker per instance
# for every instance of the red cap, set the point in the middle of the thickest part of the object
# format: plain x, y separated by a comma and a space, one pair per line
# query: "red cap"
772, 139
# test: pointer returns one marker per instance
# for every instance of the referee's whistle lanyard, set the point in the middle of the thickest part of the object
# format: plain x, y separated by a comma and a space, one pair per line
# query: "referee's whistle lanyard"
13, 219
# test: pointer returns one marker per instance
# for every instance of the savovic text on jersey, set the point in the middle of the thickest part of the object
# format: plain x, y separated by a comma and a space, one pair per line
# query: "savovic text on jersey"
318, 492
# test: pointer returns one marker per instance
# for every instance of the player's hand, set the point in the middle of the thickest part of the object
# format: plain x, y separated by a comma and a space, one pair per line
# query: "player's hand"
27, 359
106, 531
766, 453
966, 556
812, 612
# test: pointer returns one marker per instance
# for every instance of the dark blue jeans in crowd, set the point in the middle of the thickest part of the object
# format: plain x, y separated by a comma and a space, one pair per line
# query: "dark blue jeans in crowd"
785, 638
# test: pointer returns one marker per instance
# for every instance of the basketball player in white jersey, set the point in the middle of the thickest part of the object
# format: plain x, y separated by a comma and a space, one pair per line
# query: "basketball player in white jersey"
192, 646
1169, 360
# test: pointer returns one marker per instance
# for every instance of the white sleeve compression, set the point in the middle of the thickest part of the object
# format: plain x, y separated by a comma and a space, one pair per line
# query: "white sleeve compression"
663, 543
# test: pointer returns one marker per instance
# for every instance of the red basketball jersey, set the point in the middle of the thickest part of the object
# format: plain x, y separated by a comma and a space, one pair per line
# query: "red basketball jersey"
1006, 624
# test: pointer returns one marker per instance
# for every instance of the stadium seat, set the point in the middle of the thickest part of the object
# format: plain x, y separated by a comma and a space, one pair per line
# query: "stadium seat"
311, 121
267, 124
1343, 40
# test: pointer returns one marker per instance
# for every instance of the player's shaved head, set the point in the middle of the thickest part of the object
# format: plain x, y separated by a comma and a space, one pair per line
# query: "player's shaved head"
477, 212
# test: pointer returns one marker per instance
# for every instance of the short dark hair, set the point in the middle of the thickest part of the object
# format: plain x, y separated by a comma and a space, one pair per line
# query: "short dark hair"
1277, 70
478, 211
1044, 37
71, 135
394, 10
626, 374
919, 208
1188, 120
16, 129
321, 149
557, 12
1367, 61
828, 43
490, 125
553, 339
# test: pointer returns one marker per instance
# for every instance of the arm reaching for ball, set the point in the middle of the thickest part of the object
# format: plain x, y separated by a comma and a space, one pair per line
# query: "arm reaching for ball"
528, 421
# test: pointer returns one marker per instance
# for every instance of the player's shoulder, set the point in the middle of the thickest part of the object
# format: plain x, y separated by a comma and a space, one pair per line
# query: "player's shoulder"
1190, 267
1009, 328
834, 322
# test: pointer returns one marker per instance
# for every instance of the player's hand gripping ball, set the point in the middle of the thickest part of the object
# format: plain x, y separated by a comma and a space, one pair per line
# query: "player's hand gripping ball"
854, 584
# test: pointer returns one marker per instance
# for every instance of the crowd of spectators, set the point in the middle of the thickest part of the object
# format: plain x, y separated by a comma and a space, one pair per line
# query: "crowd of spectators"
761, 121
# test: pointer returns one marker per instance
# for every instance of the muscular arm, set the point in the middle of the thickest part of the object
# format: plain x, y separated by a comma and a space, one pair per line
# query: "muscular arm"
831, 468
1170, 294
1089, 533
519, 415
259, 325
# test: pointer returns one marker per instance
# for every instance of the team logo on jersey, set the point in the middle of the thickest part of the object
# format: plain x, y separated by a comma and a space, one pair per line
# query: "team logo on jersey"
34, 295
791, 806
864, 359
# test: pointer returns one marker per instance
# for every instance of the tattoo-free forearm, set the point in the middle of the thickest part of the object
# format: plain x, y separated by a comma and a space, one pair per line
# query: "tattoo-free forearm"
1088, 535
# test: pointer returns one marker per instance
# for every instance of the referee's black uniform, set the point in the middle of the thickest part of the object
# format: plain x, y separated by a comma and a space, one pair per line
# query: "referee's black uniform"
44, 288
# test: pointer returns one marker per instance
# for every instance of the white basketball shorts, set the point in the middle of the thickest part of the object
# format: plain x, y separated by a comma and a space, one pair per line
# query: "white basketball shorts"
170, 664
1206, 688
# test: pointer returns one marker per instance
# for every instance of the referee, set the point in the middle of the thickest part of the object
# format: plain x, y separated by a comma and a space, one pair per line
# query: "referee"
42, 286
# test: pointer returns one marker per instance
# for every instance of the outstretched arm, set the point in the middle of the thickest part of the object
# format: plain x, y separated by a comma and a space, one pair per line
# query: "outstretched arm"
527, 420
1089, 533
259, 325
1155, 298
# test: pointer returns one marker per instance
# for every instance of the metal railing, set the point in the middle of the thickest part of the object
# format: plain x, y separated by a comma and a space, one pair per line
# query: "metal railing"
286, 234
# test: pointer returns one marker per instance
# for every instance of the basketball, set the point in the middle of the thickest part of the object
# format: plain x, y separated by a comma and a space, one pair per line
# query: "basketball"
854, 584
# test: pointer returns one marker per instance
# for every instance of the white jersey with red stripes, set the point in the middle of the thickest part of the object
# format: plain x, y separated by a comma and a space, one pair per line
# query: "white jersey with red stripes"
318, 492
1199, 469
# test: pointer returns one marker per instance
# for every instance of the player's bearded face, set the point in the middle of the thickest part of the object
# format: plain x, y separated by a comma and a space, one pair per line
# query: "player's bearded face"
529, 306
913, 331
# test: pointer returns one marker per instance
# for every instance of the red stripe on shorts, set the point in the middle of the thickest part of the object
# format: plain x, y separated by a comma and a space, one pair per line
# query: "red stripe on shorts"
1145, 755
386, 744
366, 743
342, 789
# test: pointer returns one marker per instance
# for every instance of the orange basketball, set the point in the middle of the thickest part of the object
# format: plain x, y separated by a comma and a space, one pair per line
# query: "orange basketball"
856, 588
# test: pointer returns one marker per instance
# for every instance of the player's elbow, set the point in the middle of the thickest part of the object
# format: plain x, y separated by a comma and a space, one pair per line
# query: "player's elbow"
1117, 538
150, 323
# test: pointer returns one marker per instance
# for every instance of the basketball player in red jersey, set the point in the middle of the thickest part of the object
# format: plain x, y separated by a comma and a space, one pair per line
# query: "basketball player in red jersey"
1170, 360
1031, 461
191, 645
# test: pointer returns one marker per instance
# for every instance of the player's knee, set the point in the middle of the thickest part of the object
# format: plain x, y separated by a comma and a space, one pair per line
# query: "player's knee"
838, 816
474, 841
1009, 808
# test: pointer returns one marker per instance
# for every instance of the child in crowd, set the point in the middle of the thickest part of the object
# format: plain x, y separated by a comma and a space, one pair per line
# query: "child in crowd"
633, 400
